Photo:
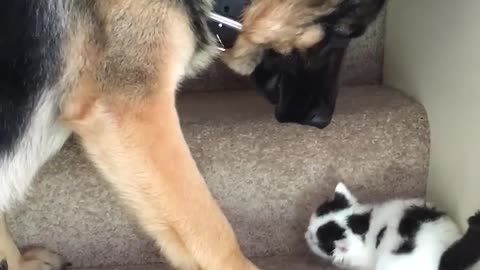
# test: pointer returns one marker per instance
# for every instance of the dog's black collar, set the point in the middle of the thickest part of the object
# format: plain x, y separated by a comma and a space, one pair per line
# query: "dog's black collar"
224, 21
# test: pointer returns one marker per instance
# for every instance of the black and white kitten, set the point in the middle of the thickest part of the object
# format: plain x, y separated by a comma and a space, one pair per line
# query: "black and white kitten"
394, 235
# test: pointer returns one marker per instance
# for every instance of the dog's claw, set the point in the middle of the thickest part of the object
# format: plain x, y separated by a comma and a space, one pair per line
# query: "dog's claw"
66, 265
3, 265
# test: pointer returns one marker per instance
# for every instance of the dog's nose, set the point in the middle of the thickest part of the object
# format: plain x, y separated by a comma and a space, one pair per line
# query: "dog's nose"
318, 118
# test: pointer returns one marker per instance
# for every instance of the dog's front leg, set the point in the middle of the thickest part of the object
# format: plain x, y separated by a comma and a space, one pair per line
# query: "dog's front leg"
139, 146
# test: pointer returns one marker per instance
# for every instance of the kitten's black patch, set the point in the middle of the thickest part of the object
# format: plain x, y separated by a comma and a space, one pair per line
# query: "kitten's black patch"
406, 247
328, 234
359, 224
410, 224
380, 236
465, 252
340, 202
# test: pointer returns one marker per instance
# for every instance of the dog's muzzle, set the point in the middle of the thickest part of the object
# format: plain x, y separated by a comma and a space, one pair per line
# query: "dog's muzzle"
302, 86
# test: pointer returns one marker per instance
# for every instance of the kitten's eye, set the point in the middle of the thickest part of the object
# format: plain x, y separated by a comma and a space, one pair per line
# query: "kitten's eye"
339, 203
327, 235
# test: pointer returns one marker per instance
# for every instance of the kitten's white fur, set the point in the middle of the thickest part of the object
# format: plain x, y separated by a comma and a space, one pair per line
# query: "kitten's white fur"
353, 252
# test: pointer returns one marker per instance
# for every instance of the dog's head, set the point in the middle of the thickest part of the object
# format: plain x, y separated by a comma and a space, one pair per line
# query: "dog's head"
303, 84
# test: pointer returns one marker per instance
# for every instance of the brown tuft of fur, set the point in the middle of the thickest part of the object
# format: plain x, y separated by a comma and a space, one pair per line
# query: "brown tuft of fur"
282, 25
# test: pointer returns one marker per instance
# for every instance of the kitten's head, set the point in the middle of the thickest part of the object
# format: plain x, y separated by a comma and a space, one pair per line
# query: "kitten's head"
338, 228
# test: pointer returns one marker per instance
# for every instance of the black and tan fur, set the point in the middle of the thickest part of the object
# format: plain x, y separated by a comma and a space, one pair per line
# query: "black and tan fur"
303, 85
108, 71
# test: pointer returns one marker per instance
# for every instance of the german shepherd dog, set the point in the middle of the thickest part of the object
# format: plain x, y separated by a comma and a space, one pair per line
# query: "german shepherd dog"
107, 71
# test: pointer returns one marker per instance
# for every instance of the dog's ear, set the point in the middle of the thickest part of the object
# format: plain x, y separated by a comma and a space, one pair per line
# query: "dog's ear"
352, 17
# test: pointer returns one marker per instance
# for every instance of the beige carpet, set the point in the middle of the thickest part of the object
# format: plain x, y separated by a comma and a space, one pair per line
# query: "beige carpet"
267, 263
268, 177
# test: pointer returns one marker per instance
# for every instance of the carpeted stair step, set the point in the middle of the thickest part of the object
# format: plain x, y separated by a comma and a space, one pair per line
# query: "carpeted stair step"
267, 176
266, 263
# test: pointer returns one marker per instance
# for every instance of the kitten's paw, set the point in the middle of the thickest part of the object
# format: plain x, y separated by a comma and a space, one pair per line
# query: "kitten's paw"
339, 261
340, 258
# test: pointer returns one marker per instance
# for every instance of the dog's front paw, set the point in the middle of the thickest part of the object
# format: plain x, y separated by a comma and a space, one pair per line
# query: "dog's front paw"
42, 259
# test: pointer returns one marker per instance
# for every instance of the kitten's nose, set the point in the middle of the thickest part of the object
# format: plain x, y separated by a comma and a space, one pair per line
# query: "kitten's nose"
341, 245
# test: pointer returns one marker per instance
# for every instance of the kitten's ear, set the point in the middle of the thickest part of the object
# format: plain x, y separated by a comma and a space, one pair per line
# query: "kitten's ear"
342, 191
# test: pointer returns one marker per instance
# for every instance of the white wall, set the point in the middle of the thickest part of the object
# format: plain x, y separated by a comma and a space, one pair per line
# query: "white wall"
433, 54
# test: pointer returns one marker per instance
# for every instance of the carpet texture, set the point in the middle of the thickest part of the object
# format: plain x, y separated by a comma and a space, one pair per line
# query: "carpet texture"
267, 176
267, 263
